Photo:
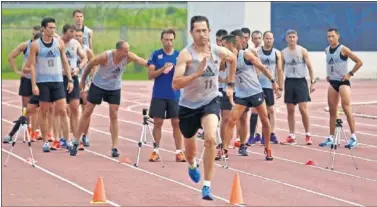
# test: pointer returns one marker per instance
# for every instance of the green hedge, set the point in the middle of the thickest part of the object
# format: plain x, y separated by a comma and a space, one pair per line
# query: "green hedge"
143, 28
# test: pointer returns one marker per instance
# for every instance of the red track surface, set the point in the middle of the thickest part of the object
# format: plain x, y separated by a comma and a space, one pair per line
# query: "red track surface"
286, 181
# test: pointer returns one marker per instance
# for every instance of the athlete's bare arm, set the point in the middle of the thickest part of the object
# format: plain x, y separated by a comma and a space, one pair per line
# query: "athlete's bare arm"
90, 55
348, 53
222, 68
153, 73
91, 40
82, 55
65, 64
136, 59
279, 68
13, 55
308, 63
31, 62
229, 57
179, 79
258, 64
99, 60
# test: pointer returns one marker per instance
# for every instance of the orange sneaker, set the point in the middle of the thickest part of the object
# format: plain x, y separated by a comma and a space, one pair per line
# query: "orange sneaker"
289, 141
56, 145
237, 143
33, 137
38, 135
81, 146
308, 140
180, 157
154, 157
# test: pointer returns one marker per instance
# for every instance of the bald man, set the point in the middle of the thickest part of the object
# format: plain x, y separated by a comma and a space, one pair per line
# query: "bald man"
106, 85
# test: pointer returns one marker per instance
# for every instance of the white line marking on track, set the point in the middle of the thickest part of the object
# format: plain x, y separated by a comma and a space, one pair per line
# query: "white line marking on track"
57, 176
254, 175
115, 160
243, 172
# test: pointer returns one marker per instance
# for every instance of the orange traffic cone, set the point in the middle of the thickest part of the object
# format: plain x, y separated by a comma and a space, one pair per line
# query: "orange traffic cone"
236, 194
99, 192
125, 160
311, 162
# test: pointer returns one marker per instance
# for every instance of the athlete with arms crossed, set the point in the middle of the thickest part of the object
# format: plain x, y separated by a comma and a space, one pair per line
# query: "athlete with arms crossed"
197, 74
340, 86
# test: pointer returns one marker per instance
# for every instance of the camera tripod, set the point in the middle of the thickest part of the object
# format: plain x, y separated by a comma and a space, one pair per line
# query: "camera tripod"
220, 144
21, 125
336, 143
143, 137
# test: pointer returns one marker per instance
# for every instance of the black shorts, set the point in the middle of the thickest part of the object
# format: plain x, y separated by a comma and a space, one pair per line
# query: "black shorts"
336, 84
190, 119
269, 96
296, 91
25, 87
34, 100
224, 101
163, 108
251, 101
96, 94
51, 91
75, 94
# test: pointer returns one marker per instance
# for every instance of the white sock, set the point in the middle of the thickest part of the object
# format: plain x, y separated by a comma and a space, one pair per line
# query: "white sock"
308, 134
46, 144
331, 137
178, 151
293, 136
156, 150
207, 183
354, 136
194, 165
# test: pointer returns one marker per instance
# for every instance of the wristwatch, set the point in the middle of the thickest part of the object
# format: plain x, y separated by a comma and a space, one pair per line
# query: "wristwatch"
351, 73
231, 84
272, 81
70, 81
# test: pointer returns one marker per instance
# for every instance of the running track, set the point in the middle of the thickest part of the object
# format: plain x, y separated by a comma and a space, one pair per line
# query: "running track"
60, 179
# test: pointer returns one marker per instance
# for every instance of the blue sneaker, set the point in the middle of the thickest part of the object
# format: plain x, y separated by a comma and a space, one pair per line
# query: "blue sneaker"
274, 139
243, 150
46, 147
194, 174
73, 149
85, 140
352, 142
326, 143
206, 193
253, 140
63, 143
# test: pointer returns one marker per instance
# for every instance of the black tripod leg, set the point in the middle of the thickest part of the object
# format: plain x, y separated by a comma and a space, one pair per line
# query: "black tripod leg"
13, 144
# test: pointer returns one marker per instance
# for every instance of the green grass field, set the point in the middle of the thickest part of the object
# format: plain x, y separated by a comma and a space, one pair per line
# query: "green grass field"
140, 27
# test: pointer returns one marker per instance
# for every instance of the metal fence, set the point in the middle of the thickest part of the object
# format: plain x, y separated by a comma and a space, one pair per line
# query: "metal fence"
142, 42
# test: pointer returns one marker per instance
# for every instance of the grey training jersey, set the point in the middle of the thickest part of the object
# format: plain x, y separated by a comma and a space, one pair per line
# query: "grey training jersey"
224, 75
337, 68
247, 83
26, 56
71, 53
270, 61
109, 76
294, 63
205, 88
86, 35
49, 66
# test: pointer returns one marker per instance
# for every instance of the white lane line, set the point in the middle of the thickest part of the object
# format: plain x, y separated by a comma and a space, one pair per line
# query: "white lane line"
57, 176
